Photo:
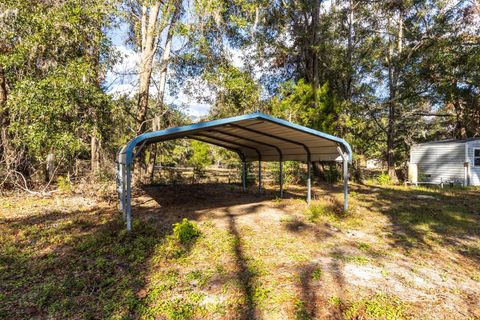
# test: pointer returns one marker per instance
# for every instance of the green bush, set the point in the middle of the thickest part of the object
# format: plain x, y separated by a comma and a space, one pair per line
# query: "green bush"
64, 184
201, 156
316, 210
185, 231
384, 179
422, 177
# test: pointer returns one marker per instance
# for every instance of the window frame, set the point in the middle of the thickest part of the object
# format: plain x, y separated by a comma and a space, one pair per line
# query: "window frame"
476, 157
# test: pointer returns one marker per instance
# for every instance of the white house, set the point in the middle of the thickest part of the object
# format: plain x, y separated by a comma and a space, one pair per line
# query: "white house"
446, 161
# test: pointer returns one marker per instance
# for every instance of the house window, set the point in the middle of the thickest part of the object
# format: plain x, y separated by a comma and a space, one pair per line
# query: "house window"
476, 157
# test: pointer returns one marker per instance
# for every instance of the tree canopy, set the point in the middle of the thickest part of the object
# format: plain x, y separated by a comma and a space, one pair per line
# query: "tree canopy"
382, 74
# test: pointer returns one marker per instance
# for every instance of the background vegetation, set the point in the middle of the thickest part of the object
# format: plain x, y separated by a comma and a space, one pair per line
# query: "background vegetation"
381, 74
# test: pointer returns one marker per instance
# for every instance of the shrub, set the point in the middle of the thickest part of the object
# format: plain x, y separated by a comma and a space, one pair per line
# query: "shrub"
201, 156
185, 231
317, 210
64, 184
384, 179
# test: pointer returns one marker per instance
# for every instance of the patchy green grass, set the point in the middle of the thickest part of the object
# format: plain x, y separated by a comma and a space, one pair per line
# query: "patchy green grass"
215, 253
316, 211
317, 274
54, 262
301, 312
335, 301
379, 306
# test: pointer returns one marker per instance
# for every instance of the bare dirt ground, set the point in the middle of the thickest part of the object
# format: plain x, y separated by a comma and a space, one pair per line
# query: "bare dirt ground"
395, 255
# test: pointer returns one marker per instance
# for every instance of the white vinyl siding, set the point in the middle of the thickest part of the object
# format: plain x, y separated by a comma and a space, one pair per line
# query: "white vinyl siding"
438, 162
474, 170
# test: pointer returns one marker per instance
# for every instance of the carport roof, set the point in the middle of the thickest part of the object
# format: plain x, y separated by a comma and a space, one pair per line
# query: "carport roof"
254, 136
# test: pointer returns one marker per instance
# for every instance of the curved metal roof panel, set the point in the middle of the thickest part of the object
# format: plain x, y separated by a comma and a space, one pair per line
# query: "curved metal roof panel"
254, 136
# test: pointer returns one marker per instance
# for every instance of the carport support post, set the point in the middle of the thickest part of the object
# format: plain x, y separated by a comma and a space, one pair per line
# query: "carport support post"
244, 176
344, 157
123, 184
281, 177
259, 175
345, 183
129, 198
309, 180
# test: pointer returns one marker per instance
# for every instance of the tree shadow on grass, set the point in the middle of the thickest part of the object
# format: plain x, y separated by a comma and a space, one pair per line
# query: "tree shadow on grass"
245, 276
83, 263
199, 201
311, 302
78, 264
306, 304
420, 217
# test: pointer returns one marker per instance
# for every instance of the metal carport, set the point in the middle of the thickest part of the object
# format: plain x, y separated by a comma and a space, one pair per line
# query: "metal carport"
254, 137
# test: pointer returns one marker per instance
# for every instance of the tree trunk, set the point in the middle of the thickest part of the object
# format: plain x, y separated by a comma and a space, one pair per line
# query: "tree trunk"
460, 130
315, 41
319, 171
150, 35
349, 80
161, 91
50, 167
143, 92
393, 74
7, 154
391, 141
95, 155
3, 89
391, 118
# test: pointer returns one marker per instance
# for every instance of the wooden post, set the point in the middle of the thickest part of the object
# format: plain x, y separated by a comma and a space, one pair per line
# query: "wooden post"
50, 166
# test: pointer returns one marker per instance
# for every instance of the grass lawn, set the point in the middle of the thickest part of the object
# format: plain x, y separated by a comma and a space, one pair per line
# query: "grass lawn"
399, 253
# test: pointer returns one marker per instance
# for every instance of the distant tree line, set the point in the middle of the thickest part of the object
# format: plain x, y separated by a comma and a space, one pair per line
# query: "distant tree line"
381, 74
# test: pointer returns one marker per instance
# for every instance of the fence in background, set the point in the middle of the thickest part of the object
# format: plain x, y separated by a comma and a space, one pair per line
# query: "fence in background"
172, 175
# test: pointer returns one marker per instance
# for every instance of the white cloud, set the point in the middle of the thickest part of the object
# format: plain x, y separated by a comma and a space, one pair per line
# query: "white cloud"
122, 78
129, 62
198, 110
